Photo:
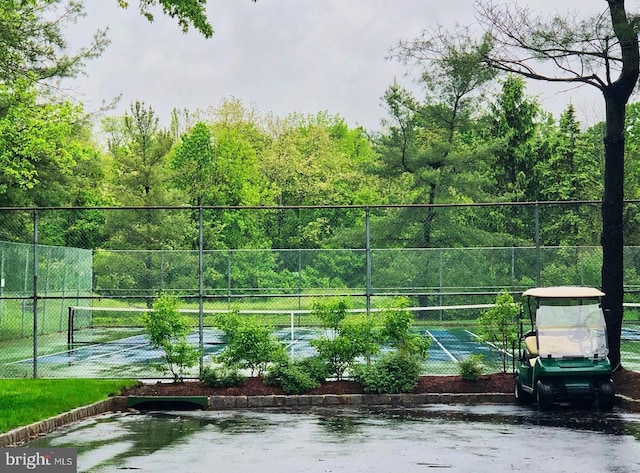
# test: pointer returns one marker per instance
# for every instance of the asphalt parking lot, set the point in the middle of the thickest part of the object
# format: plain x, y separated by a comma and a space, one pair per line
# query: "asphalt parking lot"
489, 438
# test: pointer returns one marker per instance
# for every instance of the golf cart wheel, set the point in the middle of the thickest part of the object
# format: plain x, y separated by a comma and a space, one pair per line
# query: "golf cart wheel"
606, 395
544, 395
523, 398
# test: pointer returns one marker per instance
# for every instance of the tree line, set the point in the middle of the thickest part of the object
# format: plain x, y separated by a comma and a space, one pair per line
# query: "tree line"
505, 149
474, 136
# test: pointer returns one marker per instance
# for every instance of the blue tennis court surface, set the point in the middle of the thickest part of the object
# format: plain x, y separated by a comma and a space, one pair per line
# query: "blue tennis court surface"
133, 356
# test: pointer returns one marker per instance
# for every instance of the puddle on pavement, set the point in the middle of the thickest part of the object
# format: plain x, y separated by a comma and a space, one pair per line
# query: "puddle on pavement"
468, 439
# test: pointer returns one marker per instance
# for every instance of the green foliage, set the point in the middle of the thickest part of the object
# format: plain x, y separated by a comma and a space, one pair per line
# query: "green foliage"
168, 330
498, 326
33, 44
250, 344
346, 338
392, 373
189, 13
36, 141
397, 330
315, 367
222, 377
298, 376
331, 311
470, 368
193, 161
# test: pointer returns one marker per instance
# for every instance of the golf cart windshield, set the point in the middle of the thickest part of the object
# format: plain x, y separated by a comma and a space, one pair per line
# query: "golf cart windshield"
571, 330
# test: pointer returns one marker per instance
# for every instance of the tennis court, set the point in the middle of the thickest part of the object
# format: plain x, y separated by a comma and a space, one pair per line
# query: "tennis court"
131, 355
126, 352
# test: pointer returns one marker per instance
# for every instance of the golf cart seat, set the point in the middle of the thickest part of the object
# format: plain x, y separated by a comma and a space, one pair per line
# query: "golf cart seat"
531, 347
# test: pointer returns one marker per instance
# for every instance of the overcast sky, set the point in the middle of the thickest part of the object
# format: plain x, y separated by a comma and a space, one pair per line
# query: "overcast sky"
281, 56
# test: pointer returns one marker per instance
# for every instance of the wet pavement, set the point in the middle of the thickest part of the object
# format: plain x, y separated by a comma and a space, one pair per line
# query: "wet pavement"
469, 439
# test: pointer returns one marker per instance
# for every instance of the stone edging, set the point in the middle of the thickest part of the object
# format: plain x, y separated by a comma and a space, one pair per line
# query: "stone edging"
29, 432
332, 400
119, 403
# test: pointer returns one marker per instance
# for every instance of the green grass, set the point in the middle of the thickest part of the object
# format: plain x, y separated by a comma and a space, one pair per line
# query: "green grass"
25, 401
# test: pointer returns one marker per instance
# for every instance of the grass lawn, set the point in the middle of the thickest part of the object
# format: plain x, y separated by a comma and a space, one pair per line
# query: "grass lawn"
24, 401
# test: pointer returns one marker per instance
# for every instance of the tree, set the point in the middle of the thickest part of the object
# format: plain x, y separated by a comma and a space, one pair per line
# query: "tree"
512, 133
250, 343
32, 42
314, 160
193, 158
570, 171
167, 330
346, 338
424, 138
32, 45
216, 163
601, 52
498, 326
513, 122
188, 12
140, 177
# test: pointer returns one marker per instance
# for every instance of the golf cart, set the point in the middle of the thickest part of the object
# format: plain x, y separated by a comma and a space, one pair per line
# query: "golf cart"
563, 357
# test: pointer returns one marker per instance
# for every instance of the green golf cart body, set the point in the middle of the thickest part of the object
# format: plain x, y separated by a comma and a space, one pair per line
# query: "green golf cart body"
563, 357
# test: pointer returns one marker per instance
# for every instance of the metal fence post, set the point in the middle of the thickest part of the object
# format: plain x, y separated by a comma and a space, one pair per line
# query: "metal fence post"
367, 230
537, 237
35, 293
201, 286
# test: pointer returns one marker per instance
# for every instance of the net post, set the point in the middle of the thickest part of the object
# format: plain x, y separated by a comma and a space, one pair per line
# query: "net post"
70, 327
293, 330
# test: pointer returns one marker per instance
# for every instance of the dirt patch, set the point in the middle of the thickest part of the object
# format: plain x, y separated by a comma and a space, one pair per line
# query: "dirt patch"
626, 383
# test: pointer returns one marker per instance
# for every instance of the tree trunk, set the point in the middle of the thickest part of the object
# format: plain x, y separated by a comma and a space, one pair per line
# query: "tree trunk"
612, 212
616, 96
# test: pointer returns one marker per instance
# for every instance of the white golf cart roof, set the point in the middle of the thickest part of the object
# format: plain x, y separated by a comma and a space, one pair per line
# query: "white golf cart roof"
563, 292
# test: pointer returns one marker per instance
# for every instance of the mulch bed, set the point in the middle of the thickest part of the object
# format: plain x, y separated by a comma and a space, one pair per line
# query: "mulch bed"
626, 383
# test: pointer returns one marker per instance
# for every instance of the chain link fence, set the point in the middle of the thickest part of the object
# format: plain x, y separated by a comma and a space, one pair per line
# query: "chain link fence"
75, 282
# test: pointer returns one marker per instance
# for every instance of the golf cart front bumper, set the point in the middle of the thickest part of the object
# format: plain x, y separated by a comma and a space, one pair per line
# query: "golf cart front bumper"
573, 377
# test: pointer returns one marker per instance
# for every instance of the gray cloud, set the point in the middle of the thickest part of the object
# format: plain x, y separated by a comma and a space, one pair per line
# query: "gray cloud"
280, 55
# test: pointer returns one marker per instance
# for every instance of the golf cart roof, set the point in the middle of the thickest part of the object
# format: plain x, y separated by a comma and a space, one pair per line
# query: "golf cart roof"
563, 292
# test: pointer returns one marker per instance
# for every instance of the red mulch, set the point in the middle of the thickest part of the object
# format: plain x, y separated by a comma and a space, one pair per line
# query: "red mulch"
626, 382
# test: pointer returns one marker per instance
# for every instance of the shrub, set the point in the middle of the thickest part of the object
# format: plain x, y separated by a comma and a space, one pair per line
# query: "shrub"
222, 377
168, 330
397, 330
291, 378
470, 368
316, 367
498, 326
299, 376
250, 344
393, 373
347, 337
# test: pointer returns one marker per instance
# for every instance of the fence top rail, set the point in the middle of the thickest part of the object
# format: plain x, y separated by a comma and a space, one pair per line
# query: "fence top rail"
342, 206
292, 311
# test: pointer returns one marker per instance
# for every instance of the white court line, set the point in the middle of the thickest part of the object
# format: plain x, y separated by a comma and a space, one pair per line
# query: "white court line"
85, 347
441, 346
490, 344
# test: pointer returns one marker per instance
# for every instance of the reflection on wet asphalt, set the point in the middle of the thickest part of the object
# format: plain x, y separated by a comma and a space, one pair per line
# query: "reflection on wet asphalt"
465, 439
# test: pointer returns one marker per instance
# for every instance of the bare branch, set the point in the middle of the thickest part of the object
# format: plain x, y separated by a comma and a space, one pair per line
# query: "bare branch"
527, 44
